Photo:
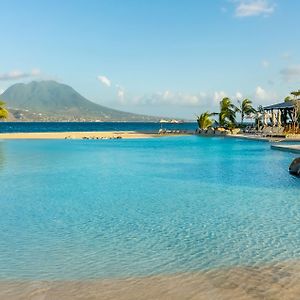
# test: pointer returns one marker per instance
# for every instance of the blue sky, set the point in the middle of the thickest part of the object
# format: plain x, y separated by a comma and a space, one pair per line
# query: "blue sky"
162, 57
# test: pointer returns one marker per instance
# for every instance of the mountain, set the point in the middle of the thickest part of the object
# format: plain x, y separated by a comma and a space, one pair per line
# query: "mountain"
51, 100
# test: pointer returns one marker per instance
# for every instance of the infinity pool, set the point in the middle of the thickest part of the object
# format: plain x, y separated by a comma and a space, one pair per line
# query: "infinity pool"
85, 209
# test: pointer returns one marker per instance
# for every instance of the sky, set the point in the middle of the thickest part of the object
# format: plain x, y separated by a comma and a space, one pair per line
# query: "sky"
174, 58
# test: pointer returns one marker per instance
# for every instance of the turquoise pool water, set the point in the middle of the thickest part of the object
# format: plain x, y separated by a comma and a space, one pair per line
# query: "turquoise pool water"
74, 209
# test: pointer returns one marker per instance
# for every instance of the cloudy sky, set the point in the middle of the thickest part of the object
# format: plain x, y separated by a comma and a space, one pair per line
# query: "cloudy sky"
161, 57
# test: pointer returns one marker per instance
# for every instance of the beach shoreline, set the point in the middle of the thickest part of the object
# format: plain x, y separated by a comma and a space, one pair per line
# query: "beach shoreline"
77, 135
126, 135
86, 135
279, 280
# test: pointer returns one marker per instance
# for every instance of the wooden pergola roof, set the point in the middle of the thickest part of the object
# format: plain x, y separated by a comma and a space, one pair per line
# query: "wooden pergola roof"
282, 105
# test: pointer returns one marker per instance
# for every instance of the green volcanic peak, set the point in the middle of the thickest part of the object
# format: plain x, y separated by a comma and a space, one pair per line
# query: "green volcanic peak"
56, 99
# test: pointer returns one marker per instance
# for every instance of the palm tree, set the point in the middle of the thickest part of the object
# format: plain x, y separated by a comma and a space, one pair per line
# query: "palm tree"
296, 94
287, 99
204, 120
227, 113
296, 103
3, 111
259, 112
246, 109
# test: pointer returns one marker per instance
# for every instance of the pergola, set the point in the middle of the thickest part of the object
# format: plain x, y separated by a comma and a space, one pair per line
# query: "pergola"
281, 115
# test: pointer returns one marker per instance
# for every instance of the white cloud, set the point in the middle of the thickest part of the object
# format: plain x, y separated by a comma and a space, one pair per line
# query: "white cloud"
178, 98
238, 95
250, 8
35, 72
16, 74
104, 80
208, 101
263, 95
121, 96
291, 74
260, 93
168, 97
218, 96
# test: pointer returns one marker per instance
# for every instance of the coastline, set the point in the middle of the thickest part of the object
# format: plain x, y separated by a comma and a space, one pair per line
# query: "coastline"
279, 280
77, 135
87, 135
128, 135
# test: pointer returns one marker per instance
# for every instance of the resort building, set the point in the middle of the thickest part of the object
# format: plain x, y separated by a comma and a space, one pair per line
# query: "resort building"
282, 117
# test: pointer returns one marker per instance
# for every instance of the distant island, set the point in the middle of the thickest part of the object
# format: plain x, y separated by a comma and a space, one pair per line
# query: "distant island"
50, 101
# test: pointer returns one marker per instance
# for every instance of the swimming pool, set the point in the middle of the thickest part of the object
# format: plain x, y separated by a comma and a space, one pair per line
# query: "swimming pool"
85, 209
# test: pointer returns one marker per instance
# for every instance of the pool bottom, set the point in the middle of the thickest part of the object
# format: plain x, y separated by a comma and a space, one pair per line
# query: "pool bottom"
279, 280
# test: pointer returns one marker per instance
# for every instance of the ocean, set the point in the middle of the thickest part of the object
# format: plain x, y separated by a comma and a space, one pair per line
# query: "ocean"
10, 127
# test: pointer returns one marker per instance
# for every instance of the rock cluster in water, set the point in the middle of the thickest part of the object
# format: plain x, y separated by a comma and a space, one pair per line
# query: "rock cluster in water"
97, 137
165, 131
217, 131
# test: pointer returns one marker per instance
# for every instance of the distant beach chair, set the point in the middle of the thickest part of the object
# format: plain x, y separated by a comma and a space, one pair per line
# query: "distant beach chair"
248, 129
266, 131
260, 130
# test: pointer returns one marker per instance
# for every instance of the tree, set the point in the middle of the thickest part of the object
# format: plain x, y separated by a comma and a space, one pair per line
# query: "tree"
296, 103
204, 120
287, 99
227, 113
259, 113
246, 109
296, 94
3, 111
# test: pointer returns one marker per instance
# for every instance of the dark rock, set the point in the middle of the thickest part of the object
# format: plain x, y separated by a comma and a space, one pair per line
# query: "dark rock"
294, 168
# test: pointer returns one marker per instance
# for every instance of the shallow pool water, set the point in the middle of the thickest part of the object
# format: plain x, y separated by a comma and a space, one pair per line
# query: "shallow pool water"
84, 209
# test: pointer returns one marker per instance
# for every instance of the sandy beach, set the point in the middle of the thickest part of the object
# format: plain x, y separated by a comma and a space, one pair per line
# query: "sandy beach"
78, 135
276, 281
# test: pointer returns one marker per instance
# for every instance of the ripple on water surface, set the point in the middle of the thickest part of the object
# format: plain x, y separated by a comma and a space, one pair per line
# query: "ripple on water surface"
111, 209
